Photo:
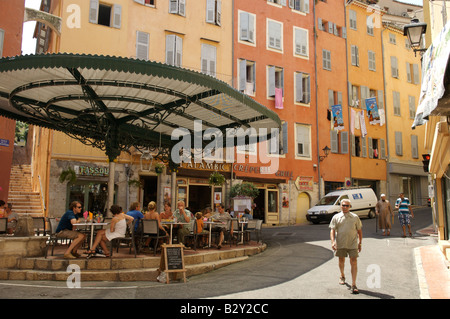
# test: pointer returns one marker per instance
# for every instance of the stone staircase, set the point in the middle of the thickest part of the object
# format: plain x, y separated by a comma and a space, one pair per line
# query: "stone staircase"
122, 267
21, 195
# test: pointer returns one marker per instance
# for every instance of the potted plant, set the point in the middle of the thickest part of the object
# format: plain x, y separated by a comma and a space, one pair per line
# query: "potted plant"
159, 168
68, 175
244, 189
135, 183
216, 179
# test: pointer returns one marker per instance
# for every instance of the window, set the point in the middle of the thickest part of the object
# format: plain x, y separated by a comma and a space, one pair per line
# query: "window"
374, 152
277, 144
372, 64
247, 27
302, 88
174, 50
337, 139
142, 45
412, 106
300, 42
352, 18
392, 38
148, 2
209, 59
359, 147
276, 80
277, 1
299, 5
104, 14
213, 11
414, 146
2, 39
355, 55
398, 144
326, 59
396, 102
353, 95
177, 7
303, 141
370, 25
394, 67
416, 76
274, 35
247, 76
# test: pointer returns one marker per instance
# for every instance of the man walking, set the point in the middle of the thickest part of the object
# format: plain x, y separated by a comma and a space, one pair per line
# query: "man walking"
346, 239
384, 212
405, 213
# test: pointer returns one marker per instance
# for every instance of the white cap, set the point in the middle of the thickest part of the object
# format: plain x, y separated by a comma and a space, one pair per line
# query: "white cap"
382, 195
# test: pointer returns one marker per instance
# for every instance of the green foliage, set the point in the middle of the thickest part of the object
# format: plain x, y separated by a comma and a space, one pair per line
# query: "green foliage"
245, 189
216, 179
68, 175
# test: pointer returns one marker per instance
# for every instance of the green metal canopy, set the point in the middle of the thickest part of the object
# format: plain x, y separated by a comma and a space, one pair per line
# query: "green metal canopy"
114, 103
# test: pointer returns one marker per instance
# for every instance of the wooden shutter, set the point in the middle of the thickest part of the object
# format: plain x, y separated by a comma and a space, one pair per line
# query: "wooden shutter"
363, 146
370, 142
210, 10
334, 141
414, 146
271, 87
117, 16
344, 142
170, 49
142, 45
298, 87
382, 149
398, 143
242, 74
93, 11
285, 137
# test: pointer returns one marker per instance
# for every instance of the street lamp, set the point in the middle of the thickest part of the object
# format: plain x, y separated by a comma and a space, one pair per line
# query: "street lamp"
326, 150
415, 32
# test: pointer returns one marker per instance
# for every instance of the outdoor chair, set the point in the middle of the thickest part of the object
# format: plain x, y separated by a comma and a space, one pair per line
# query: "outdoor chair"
237, 231
251, 228
129, 237
196, 236
52, 239
3, 226
39, 226
150, 230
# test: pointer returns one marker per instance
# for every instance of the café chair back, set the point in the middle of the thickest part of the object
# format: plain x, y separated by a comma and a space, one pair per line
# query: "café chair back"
251, 228
39, 226
3, 225
52, 239
129, 237
150, 230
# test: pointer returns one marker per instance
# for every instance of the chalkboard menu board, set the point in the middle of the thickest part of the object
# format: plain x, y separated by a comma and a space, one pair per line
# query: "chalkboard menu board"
172, 260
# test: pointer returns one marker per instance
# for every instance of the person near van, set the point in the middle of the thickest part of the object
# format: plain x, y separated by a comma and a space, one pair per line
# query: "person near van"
384, 212
405, 213
346, 240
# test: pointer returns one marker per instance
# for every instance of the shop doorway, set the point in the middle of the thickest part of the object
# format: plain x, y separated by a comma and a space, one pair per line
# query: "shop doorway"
150, 190
260, 202
92, 196
303, 204
199, 198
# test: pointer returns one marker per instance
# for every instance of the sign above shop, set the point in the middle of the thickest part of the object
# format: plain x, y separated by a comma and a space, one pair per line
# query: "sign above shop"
221, 167
91, 171
304, 183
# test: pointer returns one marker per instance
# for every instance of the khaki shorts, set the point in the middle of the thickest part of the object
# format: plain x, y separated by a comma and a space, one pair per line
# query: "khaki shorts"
66, 233
344, 252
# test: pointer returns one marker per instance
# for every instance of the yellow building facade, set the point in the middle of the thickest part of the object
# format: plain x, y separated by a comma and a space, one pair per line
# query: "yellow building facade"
365, 83
195, 35
402, 78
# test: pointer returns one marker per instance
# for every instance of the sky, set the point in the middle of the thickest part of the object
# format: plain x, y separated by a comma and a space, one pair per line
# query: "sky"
28, 43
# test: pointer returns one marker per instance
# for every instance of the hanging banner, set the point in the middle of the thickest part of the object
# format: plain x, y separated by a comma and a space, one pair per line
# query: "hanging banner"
338, 120
372, 111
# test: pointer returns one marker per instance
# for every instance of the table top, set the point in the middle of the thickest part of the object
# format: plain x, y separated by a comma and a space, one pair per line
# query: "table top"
90, 224
172, 222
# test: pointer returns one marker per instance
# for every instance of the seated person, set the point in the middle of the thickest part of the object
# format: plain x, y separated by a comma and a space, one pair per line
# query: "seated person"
200, 230
183, 215
167, 213
135, 212
117, 229
222, 217
13, 218
153, 214
66, 229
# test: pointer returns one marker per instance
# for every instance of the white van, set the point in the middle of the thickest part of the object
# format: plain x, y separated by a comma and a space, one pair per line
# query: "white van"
363, 201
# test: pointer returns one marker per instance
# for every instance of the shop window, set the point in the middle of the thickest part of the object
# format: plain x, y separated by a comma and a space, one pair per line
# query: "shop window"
92, 195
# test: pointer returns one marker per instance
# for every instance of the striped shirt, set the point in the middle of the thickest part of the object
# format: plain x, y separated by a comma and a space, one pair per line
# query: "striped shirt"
403, 205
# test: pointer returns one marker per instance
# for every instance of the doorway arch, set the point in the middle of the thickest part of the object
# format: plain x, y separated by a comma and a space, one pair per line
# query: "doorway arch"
303, 204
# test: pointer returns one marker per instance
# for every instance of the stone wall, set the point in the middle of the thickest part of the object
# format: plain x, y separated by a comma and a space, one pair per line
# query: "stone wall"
14, 248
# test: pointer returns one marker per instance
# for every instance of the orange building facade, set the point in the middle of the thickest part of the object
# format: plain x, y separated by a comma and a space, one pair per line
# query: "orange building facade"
274, 64
11, 21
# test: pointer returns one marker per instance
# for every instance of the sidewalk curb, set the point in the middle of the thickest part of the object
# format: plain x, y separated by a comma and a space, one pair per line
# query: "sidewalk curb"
423, 286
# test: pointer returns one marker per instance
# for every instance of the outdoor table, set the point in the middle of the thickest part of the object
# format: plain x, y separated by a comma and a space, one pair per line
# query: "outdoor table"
241, 222
210, 223
91, 224
171, 223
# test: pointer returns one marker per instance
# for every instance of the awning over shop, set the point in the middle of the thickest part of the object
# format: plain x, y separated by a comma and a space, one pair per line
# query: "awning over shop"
434, 100
114, 103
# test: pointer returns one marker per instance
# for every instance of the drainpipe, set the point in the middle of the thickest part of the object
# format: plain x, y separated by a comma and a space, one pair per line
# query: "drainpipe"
388, 184
317, 106
348, 93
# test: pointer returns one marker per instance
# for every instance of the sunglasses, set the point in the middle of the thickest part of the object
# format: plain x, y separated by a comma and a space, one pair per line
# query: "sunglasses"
345, 205
78, 206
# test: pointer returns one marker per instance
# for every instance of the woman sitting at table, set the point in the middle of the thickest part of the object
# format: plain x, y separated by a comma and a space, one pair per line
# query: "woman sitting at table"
167, 213
153, 214
117, 229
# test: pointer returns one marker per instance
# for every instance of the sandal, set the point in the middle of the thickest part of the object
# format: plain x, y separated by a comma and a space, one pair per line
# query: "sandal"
355, 290
90, 252
341, 280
